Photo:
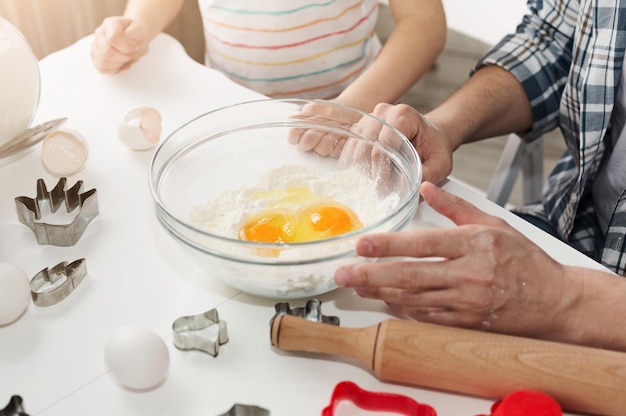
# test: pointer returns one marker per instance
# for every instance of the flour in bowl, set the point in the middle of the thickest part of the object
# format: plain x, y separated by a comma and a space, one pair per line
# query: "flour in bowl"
293, 270
224, 213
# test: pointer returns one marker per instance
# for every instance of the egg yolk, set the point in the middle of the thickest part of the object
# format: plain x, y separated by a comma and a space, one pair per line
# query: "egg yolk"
298, 215
329, 220
269, 227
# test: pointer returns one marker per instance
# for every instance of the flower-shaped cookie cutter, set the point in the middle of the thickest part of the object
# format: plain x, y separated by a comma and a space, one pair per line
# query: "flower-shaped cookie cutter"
368, 400
64, 235
51, 286
246, 410
203, 332
312, 311
14, 407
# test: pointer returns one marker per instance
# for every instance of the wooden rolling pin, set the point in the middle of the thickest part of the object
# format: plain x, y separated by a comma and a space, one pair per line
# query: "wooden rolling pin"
581, 379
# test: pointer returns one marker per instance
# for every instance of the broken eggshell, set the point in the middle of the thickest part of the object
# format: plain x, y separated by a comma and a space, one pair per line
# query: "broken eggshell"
64, 152
140, 128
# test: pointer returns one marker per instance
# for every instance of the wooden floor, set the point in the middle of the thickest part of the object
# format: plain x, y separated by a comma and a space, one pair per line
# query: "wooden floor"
474, 163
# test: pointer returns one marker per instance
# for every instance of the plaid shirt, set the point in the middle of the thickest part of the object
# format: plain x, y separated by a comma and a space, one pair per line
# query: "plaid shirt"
568, 55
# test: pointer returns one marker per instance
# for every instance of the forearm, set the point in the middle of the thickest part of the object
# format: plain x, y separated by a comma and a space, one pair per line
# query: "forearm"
417, 39
154, 15
490, 103
595, 307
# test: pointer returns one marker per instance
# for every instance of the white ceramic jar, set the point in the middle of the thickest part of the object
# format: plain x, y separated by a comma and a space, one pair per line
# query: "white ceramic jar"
19, 82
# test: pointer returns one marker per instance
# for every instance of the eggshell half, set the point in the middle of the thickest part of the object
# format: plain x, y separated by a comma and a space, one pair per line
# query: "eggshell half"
64, 152
140, 128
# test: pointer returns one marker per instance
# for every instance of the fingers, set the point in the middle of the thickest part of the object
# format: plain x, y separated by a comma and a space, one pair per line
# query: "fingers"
323, 143
121, 35
443, 316
356, 152
418, 276
433, 170
456, 209
446, 243
431, 144
322, 131
117, 43
449, 243
428, 291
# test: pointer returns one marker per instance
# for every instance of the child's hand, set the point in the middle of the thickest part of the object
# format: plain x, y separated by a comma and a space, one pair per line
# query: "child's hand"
358, 140
118, 42
323, 142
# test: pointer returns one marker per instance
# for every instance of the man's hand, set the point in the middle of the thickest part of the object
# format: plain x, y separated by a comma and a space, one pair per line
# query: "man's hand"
482, 274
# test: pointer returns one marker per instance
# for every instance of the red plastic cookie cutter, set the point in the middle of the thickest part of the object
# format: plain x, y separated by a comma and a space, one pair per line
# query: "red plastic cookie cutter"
525, 403
367, 400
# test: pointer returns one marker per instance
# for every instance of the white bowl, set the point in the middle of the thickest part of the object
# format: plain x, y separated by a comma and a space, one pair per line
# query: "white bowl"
203, 175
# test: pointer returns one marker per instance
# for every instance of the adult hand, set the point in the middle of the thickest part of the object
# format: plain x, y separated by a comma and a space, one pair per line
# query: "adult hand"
482, 274
118, 42
432, 144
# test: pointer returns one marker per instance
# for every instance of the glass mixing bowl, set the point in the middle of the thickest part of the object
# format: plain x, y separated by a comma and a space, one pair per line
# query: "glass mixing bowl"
19, 82
215, 172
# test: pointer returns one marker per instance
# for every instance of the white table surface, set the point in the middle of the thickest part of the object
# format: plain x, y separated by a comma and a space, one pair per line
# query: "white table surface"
53, 357
484, 20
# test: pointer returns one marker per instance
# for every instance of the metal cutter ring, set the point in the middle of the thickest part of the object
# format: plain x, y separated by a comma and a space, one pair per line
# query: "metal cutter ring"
62, 279
187, 334
312, 311
64, 235
246, 410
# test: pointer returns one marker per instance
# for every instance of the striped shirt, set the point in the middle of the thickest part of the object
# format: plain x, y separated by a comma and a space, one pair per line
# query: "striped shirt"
568, 55
294, 48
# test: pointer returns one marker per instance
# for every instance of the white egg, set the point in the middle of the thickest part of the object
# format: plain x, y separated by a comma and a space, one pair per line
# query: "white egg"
140, 128
137, 358
14, 293
64, 152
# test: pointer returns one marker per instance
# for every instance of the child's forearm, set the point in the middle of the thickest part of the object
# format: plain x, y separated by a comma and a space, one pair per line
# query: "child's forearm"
154, 15
413, 46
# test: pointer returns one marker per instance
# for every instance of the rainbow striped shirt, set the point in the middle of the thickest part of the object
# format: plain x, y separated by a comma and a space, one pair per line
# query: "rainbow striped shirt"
291, 48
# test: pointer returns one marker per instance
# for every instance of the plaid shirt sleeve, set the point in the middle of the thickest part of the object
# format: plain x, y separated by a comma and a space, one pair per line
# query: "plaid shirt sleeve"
568, 56
539, 54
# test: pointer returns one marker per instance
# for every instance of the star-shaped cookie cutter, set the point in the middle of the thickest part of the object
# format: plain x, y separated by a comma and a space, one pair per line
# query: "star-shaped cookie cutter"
194, 332
51, 286
312, 311
64, 235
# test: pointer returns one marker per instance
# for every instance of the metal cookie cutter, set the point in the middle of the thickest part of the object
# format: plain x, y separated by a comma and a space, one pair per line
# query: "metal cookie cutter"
51, 286
246, 410
64, 235
14, 408
311, 312
194, 332
367, 400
